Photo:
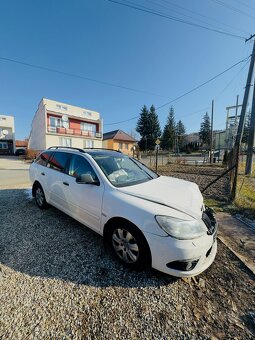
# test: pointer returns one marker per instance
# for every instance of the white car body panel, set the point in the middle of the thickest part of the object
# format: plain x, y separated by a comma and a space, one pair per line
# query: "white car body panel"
86, 203
182, 195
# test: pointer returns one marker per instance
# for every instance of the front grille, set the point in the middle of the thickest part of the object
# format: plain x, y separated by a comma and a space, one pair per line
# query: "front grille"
209, 220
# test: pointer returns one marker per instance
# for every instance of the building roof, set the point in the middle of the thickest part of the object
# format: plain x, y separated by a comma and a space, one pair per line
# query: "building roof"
118, 135
20, 143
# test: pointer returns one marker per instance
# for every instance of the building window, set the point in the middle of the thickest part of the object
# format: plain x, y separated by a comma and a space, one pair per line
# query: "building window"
87, 113
3, 145
89, 144
88, 127
120, 146
2, 118
65, 141
126, 146
61, 107
55, 122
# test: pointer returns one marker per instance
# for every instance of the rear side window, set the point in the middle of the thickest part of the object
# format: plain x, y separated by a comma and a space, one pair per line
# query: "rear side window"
59, 161
44, 158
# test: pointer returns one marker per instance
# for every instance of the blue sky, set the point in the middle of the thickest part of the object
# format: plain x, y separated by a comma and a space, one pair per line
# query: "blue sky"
108, 42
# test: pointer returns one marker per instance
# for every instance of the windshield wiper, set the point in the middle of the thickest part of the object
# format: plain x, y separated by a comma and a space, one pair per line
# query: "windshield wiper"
139, 166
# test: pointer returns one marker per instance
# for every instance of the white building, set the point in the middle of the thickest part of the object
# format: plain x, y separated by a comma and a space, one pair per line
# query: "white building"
60, 124
7, 135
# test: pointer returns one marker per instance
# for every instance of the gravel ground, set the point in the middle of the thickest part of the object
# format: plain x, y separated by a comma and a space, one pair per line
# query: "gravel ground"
58, 282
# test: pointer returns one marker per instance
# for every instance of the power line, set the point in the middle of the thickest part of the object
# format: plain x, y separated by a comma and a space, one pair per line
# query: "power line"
203, 16
243, 4
237, 10
235, 76
160, 14
206, 82
219, 94
79, 76
180, 13
186, 93
195, 112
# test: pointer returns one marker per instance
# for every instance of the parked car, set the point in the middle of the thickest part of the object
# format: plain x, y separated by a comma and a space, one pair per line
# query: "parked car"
147, 219
19, 152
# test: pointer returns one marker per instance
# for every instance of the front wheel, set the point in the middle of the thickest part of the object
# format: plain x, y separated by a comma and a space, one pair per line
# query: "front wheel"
129, 245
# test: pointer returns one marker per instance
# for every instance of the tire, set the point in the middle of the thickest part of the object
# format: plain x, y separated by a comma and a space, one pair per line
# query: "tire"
40, 197
128, 245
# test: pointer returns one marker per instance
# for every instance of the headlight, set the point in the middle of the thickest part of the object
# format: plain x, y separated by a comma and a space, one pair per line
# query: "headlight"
181, 229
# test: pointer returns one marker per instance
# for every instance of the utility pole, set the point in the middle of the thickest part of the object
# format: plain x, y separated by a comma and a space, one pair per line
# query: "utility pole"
242, 117
237, 97
248, 167
211, 144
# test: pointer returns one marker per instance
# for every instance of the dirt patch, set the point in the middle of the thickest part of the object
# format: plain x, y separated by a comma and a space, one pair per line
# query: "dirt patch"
225, 305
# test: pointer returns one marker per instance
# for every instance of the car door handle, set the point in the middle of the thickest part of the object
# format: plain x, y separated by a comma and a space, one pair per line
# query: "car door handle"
42, 173
65, 183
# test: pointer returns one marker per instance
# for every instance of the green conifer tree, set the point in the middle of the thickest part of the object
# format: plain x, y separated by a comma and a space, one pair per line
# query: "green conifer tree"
148, 127
168, 137
180, 130
205, 130
154, 128
142, 127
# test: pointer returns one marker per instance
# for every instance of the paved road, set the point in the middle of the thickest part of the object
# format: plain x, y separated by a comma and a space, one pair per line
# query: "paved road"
13, 172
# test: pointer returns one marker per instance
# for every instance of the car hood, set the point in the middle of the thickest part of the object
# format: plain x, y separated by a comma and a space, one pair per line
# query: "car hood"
183, 196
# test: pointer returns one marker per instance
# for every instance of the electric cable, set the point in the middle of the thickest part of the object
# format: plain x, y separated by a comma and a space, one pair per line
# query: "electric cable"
237, 10
157, 13
170, 3
186, 93
79, 76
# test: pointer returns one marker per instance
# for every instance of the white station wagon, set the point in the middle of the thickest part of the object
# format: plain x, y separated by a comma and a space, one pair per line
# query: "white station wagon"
147, 219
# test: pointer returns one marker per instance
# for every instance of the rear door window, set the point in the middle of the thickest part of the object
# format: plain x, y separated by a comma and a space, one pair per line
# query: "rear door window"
44, 158
59, 161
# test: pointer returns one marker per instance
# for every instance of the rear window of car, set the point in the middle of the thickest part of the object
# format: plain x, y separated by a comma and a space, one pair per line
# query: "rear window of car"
59, 161
43, 158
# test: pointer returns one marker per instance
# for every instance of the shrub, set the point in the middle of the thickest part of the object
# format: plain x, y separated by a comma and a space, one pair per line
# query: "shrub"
31, 154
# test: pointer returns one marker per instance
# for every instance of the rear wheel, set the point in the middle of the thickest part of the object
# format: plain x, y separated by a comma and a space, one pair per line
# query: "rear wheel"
129, 245
40, 197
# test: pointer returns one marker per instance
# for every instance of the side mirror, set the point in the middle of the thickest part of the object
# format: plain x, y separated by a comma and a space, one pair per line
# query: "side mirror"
86, 179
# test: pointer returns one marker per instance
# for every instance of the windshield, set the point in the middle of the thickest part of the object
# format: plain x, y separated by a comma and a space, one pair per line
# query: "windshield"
122, 171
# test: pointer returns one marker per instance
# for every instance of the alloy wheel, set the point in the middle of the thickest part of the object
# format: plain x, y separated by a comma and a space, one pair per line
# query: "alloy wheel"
39, 196
125, 245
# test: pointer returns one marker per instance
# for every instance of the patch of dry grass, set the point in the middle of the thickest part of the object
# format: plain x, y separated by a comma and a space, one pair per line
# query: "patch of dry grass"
245, 198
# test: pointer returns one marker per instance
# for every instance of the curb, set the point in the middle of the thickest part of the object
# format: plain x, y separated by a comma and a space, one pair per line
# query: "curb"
248, 263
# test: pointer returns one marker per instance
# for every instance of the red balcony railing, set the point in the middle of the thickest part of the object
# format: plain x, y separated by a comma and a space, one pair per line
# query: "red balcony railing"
76, 132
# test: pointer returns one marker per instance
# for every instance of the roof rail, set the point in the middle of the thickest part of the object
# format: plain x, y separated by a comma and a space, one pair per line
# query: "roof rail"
81, 150
102, 149
66, 147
